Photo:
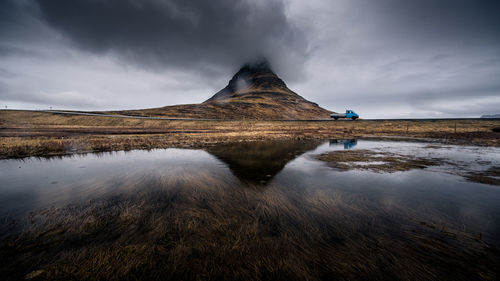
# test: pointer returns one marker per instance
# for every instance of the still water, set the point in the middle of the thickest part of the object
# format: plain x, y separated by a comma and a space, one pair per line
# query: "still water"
264, 210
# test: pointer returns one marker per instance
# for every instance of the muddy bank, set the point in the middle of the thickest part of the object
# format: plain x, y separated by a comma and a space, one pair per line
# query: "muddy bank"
363, 159
390, 162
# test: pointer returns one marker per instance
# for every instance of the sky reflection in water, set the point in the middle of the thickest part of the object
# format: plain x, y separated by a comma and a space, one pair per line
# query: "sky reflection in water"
435, 194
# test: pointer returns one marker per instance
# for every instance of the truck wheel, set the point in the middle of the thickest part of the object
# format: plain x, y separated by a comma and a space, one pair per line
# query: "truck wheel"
354, 118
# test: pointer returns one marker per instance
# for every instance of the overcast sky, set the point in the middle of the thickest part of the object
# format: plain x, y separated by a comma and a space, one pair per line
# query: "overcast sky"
382, 58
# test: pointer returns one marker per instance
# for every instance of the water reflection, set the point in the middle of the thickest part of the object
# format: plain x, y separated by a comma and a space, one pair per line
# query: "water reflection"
184, 214
348, 144
259, 162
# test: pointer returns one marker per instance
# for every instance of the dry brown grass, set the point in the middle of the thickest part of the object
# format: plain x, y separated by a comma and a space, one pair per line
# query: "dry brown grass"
24, 133
213, 229
363, 159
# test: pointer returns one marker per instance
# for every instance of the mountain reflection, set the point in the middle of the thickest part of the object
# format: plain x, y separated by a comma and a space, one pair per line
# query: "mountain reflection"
259, 162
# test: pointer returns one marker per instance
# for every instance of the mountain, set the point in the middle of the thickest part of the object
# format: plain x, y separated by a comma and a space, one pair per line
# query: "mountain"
255, 92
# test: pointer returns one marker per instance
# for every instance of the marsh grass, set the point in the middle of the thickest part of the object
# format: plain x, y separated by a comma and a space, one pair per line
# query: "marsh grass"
201, 226
375, 161
24, 133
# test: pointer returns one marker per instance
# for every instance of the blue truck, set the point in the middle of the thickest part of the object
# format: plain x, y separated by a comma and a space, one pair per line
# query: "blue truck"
348, 114
348, 144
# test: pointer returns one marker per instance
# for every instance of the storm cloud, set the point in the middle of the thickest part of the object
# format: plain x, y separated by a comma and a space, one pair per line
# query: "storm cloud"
383, 58
181, 34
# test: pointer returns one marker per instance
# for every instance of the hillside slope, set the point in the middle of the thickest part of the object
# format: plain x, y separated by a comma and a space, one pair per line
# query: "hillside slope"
254, 92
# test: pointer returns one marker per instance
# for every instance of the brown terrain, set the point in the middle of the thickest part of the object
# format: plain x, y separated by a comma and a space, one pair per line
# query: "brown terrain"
28, 133
255, 92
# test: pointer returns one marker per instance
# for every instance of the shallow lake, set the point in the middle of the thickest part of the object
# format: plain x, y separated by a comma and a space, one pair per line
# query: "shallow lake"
261, 210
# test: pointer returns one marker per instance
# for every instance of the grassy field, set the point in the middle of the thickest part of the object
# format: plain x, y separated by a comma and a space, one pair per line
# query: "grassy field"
28, 133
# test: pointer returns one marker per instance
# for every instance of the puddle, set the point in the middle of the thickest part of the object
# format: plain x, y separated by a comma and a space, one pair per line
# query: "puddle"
263, 205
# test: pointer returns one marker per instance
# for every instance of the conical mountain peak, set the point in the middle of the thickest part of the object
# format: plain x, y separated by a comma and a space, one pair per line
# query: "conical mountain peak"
251, 81
254, 92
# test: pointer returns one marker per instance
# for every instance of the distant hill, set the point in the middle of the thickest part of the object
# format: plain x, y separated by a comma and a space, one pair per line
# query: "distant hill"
491, 116
254, 92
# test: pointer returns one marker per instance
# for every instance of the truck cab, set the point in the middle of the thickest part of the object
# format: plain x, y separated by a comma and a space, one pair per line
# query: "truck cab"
349, 113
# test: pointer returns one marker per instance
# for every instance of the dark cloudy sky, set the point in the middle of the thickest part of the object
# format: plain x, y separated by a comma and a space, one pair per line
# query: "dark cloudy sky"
382, 58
